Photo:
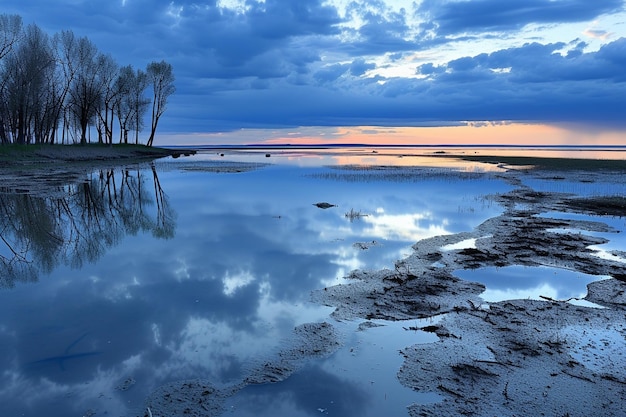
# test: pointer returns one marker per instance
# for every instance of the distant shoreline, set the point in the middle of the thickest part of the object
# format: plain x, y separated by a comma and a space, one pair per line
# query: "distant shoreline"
549, 157
286, 146
36, 156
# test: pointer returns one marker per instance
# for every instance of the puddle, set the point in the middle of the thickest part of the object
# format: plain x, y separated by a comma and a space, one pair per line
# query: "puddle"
605, 254
584, 303
358, 380
464, 244
244, 253
533, 283
616, 237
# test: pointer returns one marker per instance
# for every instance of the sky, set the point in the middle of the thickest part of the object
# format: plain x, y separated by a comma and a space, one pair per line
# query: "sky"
370, 71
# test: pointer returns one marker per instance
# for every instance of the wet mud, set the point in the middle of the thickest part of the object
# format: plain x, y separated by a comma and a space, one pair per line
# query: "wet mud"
517, 357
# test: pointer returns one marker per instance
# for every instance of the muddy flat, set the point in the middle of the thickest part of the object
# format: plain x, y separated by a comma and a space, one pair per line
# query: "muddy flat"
542, 356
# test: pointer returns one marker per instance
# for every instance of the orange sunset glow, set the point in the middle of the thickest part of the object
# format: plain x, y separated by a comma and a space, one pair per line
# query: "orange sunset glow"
470, 134
504, 134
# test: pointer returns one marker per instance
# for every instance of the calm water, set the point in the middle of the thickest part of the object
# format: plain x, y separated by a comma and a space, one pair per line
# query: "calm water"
140, 277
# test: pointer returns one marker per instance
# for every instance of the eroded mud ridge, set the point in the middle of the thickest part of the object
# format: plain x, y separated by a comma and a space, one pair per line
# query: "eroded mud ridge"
520, 357
200, 397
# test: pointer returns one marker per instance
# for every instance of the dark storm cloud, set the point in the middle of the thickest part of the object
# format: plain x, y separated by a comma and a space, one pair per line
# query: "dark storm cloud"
384, 30
457, 17
234, 39
538, 63
285, 63
360, 67
224, 39
529, 83
331, 73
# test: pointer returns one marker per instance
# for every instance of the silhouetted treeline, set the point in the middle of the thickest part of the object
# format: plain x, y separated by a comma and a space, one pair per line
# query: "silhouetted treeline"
78, 222
54, 89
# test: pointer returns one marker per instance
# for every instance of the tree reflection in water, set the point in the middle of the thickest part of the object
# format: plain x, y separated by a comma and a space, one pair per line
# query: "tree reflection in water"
78, 222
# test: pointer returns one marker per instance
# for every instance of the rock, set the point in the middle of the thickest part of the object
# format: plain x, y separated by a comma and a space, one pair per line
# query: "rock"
324, 205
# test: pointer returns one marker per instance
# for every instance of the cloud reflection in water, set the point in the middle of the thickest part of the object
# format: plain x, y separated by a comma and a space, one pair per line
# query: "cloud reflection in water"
225, 290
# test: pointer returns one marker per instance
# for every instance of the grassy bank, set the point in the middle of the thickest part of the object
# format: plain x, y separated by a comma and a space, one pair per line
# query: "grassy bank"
28, 155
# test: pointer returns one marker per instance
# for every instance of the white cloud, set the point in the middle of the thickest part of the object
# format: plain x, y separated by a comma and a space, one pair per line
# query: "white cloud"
411, 227
236, 281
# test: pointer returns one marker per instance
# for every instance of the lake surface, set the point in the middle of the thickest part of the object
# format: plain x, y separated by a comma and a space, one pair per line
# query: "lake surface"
201, 267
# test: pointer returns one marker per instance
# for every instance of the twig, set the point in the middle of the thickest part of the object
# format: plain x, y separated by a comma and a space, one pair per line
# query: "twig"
612, 378
559, 301
449, 391
584, 378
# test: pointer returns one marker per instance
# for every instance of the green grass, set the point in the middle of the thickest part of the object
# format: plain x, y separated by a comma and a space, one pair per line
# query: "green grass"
9, 149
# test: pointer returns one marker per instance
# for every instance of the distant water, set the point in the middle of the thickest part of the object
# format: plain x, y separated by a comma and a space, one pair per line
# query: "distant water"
615, 152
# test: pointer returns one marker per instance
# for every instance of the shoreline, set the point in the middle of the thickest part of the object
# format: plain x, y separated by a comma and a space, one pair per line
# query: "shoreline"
41, 169
547, 158
32, 155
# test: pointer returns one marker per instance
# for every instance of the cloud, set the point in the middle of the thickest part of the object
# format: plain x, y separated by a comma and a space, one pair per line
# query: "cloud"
614, 56
331, 72
223, 38
455, 17
597, 33
539, 63
267, 29
360, 66
554, 82
381, 29
280, 63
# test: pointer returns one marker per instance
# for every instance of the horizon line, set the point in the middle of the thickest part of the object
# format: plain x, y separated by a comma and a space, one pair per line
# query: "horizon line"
366, 145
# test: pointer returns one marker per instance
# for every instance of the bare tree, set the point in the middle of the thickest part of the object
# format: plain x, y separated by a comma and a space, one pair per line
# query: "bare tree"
110, 72
10, 30
139, 102
86, 92
62, 85
122, 102
26, 88
162, 78
65, 45
130, 102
